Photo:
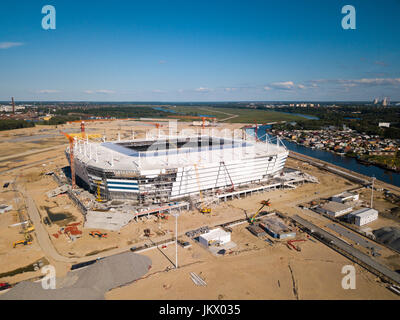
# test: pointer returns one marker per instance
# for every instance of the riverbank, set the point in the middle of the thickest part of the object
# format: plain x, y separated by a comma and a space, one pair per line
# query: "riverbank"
325, 165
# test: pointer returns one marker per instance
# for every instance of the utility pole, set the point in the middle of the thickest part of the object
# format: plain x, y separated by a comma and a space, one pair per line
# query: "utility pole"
372, 191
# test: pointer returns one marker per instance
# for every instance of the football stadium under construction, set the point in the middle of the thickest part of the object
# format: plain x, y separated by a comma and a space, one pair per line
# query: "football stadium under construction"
165, 168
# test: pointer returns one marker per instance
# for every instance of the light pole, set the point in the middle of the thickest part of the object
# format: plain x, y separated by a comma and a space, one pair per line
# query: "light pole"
372, 191
176, 215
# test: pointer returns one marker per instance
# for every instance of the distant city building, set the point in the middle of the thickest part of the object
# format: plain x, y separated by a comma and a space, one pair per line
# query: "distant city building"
376, 101
385, 102
384, 124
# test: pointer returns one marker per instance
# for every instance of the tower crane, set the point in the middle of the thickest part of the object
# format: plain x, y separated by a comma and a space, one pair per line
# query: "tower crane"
203, 209
71, 157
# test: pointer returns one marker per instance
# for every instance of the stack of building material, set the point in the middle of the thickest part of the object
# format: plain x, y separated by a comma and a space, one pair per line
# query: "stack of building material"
197, 280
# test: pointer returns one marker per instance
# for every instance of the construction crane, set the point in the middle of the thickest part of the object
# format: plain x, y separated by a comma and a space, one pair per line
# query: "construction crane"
203, 209
226, 169
83, 129
98, 195
263, 203
71, 157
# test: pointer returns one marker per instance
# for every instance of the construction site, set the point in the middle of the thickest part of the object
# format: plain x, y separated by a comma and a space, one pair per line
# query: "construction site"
188, 199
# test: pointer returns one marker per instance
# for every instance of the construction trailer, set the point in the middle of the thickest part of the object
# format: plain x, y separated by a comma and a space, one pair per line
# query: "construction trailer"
214, 237
364, 216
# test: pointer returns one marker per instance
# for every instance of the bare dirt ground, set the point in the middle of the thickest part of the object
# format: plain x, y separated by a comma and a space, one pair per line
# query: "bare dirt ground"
254, 270
258, 271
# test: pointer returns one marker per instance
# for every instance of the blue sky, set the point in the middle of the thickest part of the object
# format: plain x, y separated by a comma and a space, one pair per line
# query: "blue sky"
199, 50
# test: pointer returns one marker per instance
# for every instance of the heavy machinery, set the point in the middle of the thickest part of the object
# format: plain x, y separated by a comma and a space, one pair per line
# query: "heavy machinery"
203, 208
162, 216
290, 243
24, 242
263, 203
98, 234
71, 157
98, 194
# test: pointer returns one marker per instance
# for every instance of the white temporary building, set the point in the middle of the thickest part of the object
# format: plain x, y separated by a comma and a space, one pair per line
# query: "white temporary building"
335, 209
364, 216
215, 236
346, 196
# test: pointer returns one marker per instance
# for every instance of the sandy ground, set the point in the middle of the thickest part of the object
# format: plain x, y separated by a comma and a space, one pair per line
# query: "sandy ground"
250, 274
253, 271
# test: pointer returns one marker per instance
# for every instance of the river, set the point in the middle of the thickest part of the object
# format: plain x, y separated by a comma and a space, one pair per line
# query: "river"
341, 161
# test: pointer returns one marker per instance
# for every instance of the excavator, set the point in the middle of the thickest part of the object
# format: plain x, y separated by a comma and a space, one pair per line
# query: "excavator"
27, 241
263, 203
203, 209
24, 242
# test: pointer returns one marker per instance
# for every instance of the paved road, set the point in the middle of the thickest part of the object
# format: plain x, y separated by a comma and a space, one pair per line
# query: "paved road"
353, 236
394, 276
41, 233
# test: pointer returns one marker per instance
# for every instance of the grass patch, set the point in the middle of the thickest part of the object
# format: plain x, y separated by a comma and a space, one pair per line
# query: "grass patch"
244, 115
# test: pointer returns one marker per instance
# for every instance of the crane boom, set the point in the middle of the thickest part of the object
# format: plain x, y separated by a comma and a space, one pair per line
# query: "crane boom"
203, 209
264, 203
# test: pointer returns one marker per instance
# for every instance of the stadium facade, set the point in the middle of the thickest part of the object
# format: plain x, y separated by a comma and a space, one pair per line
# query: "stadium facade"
168, 168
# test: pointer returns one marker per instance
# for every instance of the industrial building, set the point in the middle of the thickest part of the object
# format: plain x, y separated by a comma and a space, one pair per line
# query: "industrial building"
364, 216
334, 209
345, 197
276, 227
215, 237
172, 167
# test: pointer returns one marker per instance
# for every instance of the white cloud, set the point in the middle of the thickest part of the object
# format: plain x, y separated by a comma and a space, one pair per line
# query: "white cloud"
102, 91
158, 91
267, 88
46, 91
162, 61
230, 89
285, 85
7, 45
202, 89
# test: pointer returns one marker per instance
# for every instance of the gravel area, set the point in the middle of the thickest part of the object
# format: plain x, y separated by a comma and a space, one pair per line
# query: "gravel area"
89, 283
